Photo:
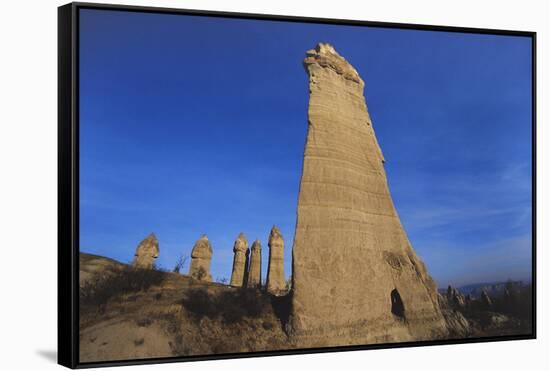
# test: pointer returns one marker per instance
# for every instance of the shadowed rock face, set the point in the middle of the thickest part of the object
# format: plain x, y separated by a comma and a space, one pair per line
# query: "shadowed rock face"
485, 299
356, 277
255, 268
240, 261
147, 252
201, 257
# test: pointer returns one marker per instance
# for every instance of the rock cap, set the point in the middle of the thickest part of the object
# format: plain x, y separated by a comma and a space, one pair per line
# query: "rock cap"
274, 235
202, 248
149, 246
256, 246
324, 55
241, 243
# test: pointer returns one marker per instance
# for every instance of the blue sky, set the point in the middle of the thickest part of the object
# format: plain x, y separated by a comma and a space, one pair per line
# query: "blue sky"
193, 125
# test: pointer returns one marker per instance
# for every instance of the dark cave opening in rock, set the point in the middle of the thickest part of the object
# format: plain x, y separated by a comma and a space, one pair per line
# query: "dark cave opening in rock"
397, 306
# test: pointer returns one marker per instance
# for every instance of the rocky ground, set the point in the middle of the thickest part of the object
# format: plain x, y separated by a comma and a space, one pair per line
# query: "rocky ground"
486, 316
128, 313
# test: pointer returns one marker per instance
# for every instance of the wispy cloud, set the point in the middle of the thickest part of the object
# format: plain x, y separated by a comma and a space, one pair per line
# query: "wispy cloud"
470, 228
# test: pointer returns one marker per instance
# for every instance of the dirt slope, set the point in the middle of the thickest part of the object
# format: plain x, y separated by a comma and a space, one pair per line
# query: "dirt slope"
133, 314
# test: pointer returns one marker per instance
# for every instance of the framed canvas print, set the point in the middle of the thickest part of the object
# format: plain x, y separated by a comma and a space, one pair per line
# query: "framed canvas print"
236, 185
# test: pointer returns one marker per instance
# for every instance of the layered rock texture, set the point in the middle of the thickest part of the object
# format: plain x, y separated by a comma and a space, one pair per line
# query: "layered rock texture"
255, 267
201, 257
356, 278
240, 261
147, 252
275, 282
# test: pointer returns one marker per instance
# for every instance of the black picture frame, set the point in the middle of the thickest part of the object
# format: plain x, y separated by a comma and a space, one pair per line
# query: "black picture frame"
68, 180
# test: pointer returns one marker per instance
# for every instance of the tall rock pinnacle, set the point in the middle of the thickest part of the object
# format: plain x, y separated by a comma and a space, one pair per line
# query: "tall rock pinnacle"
255, 267
356, 278
240, 261
275, 281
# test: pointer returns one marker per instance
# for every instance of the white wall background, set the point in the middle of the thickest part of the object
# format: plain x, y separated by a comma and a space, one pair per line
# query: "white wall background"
28, 182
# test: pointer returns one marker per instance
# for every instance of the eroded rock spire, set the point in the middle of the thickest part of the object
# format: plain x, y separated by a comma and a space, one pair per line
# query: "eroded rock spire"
147, 252
356, 278
275, 282
240, 261
255, 267
201, 257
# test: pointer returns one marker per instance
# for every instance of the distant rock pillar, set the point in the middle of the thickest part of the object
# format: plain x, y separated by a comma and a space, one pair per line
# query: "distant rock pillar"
240, 260
201, 257
146, 252
449, 293
276, 283
485, 299
255, 267
455, 298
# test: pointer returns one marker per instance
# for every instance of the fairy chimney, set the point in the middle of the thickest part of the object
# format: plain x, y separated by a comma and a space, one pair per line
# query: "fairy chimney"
356, 278
146, 253
240, 260
255, 267
201, 257
275, 282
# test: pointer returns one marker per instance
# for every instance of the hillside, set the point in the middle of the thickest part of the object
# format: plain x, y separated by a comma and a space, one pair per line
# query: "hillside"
128, 313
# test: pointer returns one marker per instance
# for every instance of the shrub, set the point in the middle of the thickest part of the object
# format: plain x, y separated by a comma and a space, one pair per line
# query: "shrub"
230, 306
117, 282
222, 280
200, 274
180, 263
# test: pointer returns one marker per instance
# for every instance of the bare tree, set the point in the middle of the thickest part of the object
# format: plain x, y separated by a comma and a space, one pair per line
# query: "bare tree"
180, 263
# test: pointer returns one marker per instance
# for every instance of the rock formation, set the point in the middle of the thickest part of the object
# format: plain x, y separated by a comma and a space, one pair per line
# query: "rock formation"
450, 291
201, 257
485, 299
457, 324
275, 282
455, 298
240, 260
255, 267
146, 252
356, 278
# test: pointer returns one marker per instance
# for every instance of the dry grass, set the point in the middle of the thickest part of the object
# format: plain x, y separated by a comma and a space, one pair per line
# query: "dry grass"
117, 282
174, 314
230, 306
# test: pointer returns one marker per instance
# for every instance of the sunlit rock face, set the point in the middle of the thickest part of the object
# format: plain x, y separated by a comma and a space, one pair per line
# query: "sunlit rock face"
240, 261
275, 282
356, 278
255, 267
147, 252
201, 258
